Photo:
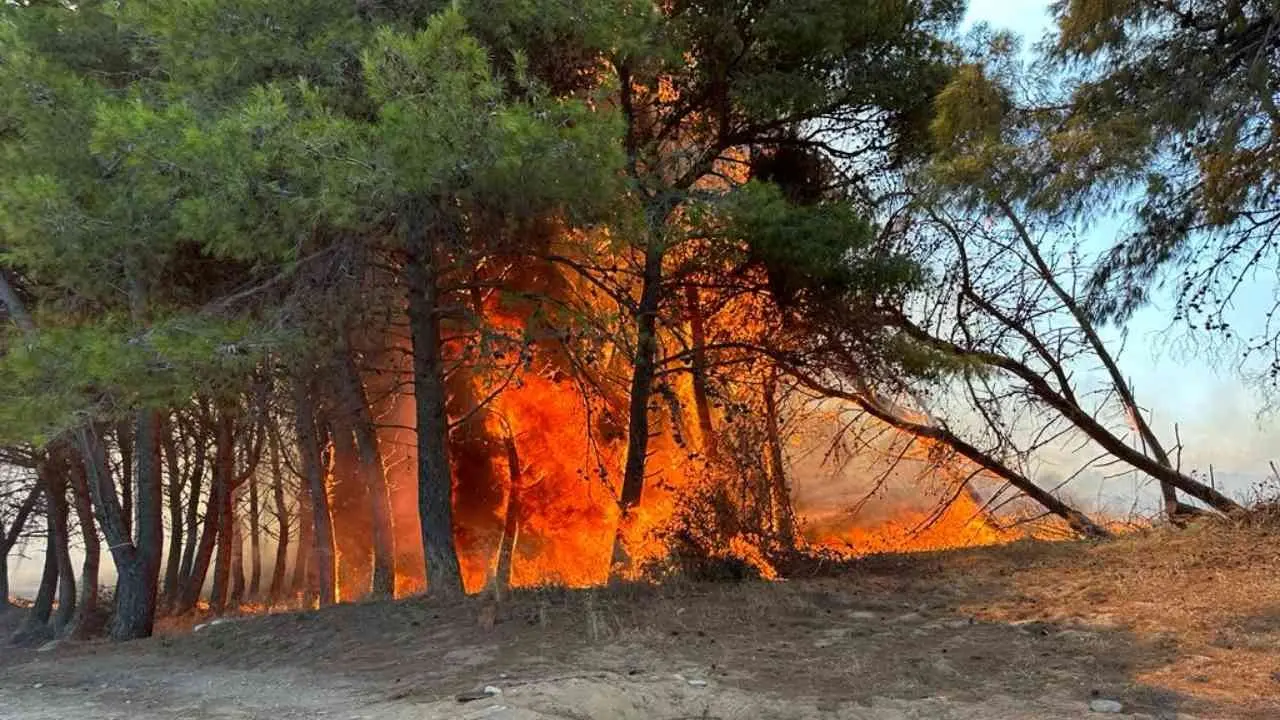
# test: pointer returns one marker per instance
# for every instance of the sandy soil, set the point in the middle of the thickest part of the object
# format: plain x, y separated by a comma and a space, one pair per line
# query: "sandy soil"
1170, 624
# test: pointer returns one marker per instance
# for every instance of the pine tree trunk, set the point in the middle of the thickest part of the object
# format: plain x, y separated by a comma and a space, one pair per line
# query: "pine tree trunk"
643, 370
124, 439
435, 476
35, 626
255, 540
779, 491
173, 560
90, 620
10, 538
195, 480
348, 497
140, 577
223, 469
698, 368
303, 568
374, 478
277, 589
56, 491
511, 524
323, 549
226, 519
238, 583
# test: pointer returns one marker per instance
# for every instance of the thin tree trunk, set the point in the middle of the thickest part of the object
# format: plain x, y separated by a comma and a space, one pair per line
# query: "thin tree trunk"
435, 477
90, 619
56, 491
382, 584
35, 626
644, 366
698, 368
124, 439
303, 584
255, 540
779, 491
1168, 491
276, 591
511, 524
10, 540
238, 583
195, 480
223, 469
321, 518
173, 560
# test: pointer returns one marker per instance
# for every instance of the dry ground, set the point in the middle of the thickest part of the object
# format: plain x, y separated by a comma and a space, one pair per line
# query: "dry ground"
1170, 623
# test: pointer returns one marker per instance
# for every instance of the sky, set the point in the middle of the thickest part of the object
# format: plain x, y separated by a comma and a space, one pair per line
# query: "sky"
1219, 416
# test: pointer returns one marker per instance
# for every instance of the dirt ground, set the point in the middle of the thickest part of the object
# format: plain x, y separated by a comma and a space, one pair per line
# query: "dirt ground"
1181, 624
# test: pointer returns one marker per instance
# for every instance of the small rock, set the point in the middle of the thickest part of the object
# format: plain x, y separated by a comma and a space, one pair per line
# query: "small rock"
52, 644
37, 686
863, 615
698, 683
1105, 706
908, 618
479, 694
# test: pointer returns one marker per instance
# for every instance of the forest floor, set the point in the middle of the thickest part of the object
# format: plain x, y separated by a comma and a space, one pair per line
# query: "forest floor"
1168, 623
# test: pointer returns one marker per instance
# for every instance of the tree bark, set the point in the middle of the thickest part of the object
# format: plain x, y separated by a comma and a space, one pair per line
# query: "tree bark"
644, 366
238, 584
35, 626
304, 573
698, 369
779, 491
90, 620
255, 540
224, 518
382, 584
140, 585
195, 480
55, 483
173, 559
223, 469
511, 524
435, 476
321, 518
276, 592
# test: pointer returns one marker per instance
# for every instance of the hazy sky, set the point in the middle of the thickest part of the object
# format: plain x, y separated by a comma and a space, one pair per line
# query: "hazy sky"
1217, 413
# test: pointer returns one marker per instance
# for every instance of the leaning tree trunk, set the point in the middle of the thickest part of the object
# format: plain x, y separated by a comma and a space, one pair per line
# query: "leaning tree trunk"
90, 619
644, 367
35, 626
435, 476
9, 540
382, 584
321, 518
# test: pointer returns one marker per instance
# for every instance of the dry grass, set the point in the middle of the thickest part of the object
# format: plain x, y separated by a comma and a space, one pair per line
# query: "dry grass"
1167, 621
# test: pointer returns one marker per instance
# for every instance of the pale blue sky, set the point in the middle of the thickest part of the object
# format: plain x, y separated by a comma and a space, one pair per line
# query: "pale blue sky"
1217, 413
